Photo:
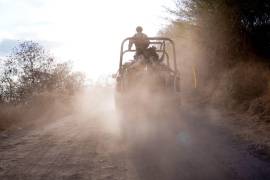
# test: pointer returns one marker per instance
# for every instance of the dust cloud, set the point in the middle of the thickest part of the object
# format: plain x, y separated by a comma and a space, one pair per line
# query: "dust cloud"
145, 136
163, 140
97, 102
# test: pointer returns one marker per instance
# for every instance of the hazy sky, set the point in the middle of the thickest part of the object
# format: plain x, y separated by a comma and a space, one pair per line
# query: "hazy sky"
88, 32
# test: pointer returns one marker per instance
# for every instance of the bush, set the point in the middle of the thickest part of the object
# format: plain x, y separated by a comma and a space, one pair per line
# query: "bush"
246, 81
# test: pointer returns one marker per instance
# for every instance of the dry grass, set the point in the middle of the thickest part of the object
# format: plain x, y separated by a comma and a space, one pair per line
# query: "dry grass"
40, 109
9, 115
247, 81
244, 91
241, 86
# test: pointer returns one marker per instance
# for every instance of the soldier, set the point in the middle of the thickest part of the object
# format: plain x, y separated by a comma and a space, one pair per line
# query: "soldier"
141, 42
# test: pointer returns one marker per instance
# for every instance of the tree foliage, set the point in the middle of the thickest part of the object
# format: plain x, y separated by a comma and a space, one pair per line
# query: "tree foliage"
245, 23
221, 36
31, 70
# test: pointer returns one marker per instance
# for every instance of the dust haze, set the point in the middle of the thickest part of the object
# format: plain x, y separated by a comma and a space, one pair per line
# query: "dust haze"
53, 126
146, 137
160, 140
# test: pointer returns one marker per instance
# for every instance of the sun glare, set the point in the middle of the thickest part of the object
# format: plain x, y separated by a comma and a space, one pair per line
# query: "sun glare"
89, 33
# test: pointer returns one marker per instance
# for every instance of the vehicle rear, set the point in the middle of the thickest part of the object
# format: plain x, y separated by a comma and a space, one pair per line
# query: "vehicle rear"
144, 83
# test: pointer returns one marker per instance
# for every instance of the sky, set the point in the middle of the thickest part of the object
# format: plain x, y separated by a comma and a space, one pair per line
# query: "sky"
86, 32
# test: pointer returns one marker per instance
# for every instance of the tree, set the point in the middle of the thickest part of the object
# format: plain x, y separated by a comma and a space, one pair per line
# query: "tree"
226, 35
31, 70
33, 64
64, 80
8, 81
240, 21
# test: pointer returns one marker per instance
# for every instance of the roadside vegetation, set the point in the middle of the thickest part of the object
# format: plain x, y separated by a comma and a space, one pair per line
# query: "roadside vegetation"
226, 42
34, 84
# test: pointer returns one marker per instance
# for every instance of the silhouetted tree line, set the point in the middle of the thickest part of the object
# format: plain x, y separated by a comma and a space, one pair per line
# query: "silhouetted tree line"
30, 70
228, 42
231, 28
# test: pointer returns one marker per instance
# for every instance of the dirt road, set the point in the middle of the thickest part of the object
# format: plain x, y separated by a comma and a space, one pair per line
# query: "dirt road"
183, 146
70, 148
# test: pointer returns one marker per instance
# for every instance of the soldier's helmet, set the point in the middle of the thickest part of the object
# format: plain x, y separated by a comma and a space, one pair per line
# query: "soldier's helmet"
139, 29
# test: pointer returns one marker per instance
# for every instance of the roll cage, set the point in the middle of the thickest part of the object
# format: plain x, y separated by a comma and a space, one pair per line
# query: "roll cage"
160, 43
